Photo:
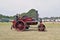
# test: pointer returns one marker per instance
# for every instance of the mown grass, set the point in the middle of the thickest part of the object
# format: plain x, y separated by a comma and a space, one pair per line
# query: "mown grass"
52, 33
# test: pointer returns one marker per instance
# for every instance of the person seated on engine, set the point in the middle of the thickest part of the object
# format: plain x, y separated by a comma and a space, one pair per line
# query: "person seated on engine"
41, 26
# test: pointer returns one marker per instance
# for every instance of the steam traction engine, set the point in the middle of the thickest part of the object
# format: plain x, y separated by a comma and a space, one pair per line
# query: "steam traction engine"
24, 23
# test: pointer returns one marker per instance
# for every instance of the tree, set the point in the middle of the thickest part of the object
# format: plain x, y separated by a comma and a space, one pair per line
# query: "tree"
23, 14
33, 13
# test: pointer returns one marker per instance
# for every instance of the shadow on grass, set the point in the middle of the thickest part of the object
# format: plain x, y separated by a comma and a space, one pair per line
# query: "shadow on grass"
35, 30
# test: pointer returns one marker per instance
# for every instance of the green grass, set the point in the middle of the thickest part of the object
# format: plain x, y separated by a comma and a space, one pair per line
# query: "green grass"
52, 33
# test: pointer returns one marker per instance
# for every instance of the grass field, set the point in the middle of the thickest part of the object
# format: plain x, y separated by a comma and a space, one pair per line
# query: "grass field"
52, 33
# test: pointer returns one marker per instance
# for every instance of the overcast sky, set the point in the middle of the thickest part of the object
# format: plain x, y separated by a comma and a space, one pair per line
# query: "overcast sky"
46, 8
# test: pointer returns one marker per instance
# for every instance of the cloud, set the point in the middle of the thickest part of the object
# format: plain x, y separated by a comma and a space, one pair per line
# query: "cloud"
45, 7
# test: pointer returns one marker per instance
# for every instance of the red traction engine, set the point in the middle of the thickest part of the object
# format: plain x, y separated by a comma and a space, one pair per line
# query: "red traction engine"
23, 23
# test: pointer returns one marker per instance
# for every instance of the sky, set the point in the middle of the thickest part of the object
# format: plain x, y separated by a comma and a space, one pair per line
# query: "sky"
46, 8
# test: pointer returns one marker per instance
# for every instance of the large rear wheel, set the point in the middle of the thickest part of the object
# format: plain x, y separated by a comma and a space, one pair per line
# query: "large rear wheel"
20, 26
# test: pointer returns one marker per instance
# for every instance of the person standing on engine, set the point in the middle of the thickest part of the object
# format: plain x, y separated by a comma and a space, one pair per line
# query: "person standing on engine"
17, 17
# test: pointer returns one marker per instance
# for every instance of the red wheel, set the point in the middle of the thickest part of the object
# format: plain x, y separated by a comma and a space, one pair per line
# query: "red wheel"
41, 27
20, 26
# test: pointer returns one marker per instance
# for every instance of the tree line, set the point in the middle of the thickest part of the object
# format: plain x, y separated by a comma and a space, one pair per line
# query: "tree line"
31, 13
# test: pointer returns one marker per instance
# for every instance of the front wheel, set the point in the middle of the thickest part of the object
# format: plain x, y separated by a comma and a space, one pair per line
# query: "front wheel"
41, 28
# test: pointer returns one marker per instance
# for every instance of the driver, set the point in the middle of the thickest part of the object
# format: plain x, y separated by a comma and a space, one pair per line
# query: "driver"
17, 17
